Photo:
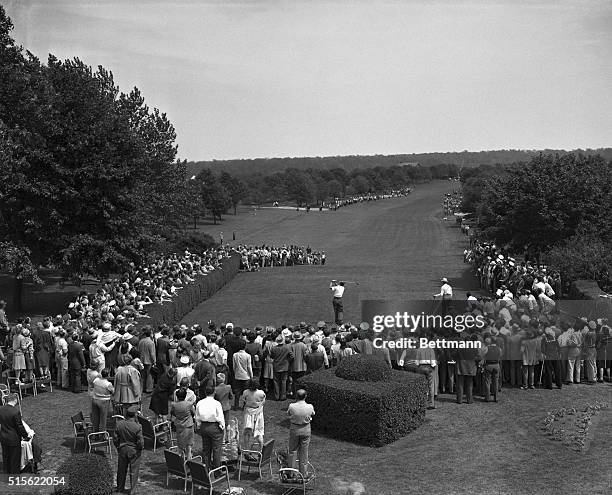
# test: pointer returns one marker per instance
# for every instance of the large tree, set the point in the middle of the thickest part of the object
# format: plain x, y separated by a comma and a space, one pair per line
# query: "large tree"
541, 204
88, 177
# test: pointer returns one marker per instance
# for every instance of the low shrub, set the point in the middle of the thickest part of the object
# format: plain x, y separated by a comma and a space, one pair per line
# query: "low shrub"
366, 412
363, 368
85, 474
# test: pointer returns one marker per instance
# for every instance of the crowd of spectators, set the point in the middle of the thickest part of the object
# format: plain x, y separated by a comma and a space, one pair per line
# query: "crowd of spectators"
361, 198
98, 317
497, 272
254, 258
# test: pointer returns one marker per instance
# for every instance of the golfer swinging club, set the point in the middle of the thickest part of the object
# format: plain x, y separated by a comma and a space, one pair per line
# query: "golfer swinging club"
446, 293
337, 289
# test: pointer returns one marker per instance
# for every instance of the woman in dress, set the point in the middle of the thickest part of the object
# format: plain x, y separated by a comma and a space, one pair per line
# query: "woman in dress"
182, 413
27, 346
268, 368
19, 363
162, 394
252, 402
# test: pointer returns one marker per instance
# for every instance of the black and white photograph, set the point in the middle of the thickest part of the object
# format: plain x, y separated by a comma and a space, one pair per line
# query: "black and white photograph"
308, 247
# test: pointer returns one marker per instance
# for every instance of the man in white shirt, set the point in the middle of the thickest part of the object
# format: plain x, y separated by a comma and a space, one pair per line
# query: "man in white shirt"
211, 425
337, 289
446, 293
243, 372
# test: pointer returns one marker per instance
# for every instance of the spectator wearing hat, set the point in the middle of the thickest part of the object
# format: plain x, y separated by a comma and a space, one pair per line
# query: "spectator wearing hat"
282, 356
298, 365
184, 369
129, 441
243, 370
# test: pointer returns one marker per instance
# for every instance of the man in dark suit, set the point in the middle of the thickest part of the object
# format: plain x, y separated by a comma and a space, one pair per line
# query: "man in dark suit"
146, 347
76, 363
282, 356
12, 432
162, 351
129, 442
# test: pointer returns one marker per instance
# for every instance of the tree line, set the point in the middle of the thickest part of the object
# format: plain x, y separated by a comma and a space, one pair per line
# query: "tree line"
555, 208
462, 159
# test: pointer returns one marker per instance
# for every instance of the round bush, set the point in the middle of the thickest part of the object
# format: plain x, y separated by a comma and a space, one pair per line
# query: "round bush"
363, 368
86, 474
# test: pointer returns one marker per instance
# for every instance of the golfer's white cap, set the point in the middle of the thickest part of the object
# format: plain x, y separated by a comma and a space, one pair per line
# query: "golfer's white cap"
444, 279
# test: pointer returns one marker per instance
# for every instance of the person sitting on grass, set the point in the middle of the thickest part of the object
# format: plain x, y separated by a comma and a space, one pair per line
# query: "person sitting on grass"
252, 402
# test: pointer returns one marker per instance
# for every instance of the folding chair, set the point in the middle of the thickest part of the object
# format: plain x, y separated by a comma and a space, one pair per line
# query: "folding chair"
44, 380
257, 459
292, 478
99, 439
16, 385
82, 427
154, 431
201, 476
176, 466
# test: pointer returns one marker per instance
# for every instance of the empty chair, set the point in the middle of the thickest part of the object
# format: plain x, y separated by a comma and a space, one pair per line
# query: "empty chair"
154, 431
201, 476
100, 439
176, 466
81, 426
255, 458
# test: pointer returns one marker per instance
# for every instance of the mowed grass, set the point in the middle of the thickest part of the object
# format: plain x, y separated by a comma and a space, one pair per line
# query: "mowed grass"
482, 448
395, 248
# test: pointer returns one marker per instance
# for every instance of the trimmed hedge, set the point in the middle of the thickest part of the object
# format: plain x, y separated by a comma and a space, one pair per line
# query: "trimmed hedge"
188, 298
363, 368
85, 474
365, 412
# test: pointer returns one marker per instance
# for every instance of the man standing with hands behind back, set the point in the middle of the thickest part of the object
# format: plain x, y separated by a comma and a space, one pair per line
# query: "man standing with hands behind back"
129, 442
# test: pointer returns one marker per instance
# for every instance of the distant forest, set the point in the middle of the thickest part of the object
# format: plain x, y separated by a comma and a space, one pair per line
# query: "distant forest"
267, 166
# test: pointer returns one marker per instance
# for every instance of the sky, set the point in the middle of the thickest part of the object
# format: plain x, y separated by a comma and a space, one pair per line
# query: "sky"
273, 78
